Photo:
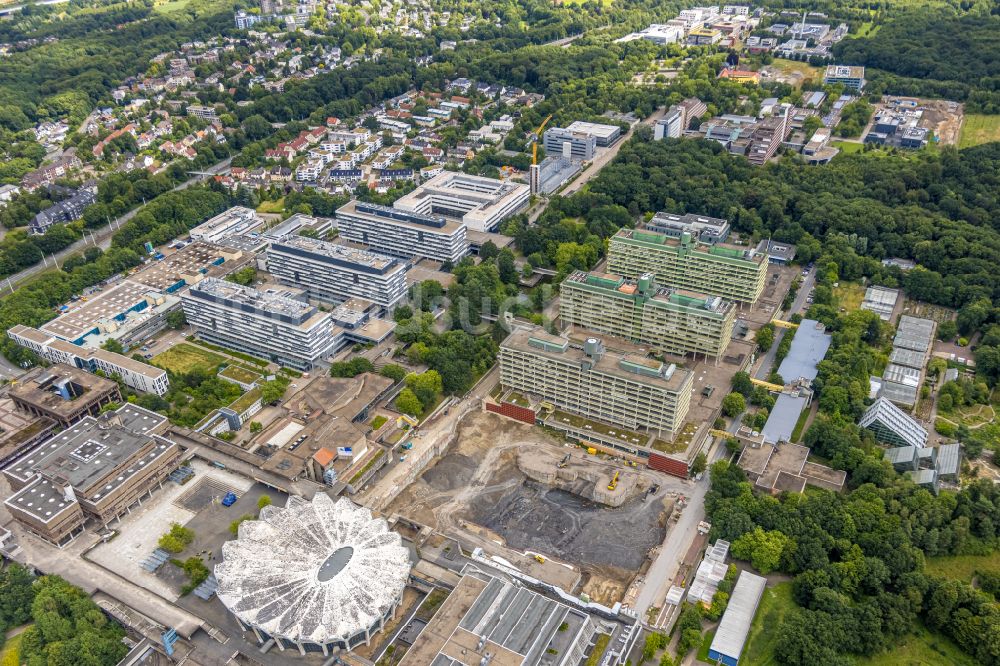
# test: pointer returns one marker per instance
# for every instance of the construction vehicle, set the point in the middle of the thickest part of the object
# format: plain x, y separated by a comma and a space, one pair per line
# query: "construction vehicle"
591, 450
784, 324
614, 482
564, 461
540, 559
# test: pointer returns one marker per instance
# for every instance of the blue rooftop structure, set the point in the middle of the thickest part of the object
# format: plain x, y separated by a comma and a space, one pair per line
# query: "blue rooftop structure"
809, 346
784, 415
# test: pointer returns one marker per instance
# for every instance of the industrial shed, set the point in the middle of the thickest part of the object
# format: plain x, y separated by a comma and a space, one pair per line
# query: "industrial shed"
735, 625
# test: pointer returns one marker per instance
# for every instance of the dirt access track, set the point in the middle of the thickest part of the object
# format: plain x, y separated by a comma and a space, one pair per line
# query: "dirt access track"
477, 491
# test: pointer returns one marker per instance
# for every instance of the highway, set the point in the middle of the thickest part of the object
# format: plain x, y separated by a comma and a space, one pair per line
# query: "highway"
101, 238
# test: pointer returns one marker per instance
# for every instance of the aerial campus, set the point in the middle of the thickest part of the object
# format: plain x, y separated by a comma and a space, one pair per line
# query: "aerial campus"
531, 334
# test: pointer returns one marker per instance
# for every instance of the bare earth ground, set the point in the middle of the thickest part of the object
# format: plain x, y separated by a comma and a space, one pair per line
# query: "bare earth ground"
477, 488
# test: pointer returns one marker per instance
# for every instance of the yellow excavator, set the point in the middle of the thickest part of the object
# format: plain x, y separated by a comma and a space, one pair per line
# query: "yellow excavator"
614, 482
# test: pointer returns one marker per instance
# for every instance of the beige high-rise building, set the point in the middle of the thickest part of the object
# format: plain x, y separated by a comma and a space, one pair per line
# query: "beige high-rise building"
674, 320
630, 391
729, 271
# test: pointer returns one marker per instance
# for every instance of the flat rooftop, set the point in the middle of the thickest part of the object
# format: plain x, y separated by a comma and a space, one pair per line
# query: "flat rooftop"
237, 219
809, 347
462, 196
400, 218
630, 367
188, 264
337, 254
274, 303
120, 306
88, 453
724, 251
40, 387
342, 397
687, 221
597, 130
611, 283
17, 427
519, 626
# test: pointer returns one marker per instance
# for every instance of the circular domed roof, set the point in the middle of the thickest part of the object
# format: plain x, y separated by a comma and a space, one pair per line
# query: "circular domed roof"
315, 571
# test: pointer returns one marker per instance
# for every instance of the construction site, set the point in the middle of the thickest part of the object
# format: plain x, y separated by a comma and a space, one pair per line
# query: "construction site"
529, 498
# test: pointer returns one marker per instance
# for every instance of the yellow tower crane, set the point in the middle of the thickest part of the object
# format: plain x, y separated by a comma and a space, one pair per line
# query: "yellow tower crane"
534, 139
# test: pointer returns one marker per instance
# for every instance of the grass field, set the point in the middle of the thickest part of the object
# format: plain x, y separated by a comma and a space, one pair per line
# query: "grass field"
867, 30
774, 605
848, 147
240, 374
962, 567
10, 655
186, 357
979, 129
923, 648
849, 295
272, 206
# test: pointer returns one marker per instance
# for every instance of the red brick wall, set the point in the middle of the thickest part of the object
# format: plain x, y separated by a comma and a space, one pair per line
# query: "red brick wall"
513, 411
670, 466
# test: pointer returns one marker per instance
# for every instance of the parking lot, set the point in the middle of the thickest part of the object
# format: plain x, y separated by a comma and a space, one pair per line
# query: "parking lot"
139, 531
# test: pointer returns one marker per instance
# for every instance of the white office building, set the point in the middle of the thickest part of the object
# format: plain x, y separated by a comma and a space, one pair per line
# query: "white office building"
670, 126
400, 233
478, 203
334, 272
236, 220
272, 324
559, 142
137, 375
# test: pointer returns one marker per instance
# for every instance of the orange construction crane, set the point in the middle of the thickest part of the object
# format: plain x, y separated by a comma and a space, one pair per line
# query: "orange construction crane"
534, 139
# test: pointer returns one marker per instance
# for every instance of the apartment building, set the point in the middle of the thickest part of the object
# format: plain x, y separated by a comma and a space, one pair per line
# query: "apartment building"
273, 323
137, 375
334, 272
674, 320
477, 202
629, 391
729, 271
403, 234
559, 142
98, 468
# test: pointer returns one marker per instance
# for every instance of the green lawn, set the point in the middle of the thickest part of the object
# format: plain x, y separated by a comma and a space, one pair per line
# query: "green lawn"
706, 643
978, 129
867, 30
923, 648
849, 295
240, 374
962, 567
272, 206
774, 605
186, 357
848, 147
10, 655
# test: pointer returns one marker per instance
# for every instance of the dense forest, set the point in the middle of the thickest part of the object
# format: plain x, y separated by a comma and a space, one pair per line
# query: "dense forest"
934, 53
942, 210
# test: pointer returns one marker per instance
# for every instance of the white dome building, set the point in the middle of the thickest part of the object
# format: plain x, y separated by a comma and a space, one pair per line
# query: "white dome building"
314, 576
